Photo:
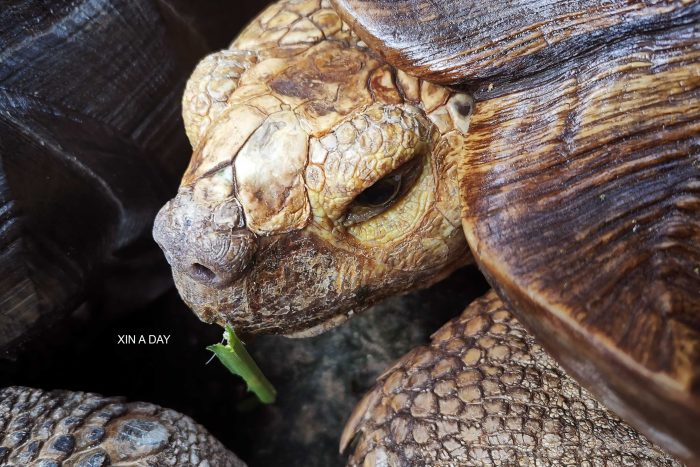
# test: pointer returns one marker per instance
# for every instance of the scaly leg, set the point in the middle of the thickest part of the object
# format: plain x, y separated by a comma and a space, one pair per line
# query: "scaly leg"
485, 393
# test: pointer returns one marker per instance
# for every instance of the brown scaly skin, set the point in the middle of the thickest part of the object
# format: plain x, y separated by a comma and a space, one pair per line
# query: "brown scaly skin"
291, 127
288, 126
51, 429
485, 393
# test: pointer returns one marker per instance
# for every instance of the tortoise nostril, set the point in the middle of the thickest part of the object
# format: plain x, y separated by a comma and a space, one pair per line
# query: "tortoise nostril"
202, 273
211, 250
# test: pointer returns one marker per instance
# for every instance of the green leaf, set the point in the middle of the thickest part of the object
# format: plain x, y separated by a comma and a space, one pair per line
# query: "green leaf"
236, 358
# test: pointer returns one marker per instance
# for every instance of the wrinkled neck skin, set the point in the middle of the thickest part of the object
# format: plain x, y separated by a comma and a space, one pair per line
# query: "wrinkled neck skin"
322, 179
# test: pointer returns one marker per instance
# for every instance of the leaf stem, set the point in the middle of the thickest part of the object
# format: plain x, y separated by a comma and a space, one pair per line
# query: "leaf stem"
238, 361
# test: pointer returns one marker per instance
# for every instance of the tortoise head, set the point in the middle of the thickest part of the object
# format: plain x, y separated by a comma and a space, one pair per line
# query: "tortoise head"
321, 181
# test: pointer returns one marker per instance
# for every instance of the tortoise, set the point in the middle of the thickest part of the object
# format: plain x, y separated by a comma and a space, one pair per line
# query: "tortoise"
347, 151
48, 429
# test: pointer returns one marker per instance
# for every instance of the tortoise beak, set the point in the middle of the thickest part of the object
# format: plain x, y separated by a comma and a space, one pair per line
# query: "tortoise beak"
209, 246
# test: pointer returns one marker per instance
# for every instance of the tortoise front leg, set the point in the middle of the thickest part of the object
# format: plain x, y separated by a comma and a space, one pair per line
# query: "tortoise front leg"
485, 393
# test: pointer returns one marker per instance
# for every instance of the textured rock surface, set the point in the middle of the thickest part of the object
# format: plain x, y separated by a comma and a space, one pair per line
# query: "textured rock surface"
50, 429
485, 393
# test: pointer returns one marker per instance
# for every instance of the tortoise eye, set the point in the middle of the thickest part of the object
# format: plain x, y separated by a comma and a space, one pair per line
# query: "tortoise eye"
384, 193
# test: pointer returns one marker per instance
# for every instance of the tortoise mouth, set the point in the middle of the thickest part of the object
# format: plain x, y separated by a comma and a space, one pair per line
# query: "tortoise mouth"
298, 286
